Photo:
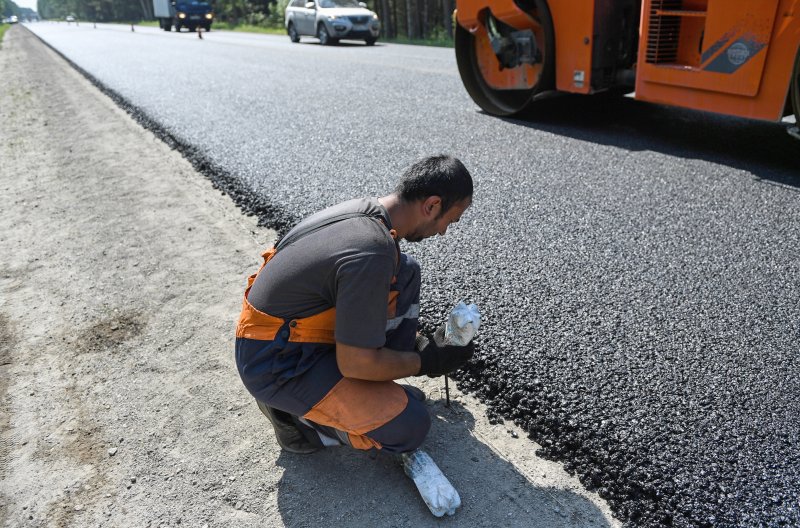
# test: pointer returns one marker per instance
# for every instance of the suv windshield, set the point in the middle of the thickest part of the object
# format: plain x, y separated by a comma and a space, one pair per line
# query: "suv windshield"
339, 3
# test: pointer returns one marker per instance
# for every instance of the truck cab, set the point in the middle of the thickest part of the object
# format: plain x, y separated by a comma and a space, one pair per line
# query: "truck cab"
191, 14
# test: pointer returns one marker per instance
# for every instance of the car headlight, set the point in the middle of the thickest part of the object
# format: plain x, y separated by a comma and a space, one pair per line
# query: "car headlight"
334, 18
209, 15
181, 15
374, 16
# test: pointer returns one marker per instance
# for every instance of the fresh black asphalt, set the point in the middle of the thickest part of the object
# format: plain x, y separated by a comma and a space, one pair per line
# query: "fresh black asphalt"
637, 266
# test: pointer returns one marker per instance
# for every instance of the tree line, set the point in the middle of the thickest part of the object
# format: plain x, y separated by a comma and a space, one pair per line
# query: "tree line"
8, 8
412, 19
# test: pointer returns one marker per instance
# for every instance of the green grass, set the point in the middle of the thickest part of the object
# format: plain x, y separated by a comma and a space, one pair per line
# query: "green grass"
439, 43
3, 28
249, 28
226, 26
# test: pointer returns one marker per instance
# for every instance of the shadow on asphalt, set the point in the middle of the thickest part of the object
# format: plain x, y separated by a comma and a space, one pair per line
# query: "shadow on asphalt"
339, 485
764, 149
342, 44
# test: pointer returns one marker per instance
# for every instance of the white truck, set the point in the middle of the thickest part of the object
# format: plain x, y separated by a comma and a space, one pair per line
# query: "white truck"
190, 14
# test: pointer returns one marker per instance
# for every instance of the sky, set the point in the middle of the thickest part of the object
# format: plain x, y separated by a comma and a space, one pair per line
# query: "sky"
26, 3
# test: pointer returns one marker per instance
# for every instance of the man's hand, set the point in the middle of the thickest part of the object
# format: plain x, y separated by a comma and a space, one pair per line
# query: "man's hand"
438, 361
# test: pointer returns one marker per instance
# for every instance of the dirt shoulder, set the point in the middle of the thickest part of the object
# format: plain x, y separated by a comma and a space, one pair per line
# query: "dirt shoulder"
121, 273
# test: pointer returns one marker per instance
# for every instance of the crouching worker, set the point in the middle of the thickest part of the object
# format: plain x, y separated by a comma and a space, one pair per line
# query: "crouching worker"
330, 319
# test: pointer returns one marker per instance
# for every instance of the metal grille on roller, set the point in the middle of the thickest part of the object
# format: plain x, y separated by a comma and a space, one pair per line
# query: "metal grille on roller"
359, 19
663, 32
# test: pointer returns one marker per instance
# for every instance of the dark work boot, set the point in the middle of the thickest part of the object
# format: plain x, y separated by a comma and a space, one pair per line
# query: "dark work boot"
288, 433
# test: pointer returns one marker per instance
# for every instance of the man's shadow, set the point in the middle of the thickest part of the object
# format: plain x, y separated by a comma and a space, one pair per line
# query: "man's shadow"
342, 486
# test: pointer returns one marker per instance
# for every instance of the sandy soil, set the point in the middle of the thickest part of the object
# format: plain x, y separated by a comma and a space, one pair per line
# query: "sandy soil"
121, 273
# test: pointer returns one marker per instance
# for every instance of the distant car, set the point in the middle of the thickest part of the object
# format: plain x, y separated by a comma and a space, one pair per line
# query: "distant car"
13, 19
331, 20
70, 18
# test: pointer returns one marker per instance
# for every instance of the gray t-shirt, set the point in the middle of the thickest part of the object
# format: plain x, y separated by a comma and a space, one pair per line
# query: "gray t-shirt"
348, 265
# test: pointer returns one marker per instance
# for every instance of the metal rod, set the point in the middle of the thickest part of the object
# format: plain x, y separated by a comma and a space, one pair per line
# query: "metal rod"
446, 393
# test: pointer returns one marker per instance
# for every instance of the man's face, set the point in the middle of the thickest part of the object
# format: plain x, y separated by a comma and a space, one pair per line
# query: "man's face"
435, 223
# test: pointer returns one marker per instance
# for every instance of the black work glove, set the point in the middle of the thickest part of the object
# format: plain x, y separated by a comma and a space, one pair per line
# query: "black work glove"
438, 361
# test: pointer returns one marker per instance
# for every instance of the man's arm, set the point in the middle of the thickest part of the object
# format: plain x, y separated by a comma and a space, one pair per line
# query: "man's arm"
376, 364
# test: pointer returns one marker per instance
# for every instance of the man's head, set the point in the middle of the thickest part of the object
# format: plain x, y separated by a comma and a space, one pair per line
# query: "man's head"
438, 189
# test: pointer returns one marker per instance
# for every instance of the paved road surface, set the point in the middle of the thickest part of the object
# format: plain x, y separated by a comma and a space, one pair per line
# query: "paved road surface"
637, 265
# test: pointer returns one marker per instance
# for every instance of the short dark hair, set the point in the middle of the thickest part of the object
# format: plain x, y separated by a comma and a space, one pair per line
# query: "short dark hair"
443, 176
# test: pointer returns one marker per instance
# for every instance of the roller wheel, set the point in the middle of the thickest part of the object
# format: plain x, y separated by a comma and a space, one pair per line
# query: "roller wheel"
474, 57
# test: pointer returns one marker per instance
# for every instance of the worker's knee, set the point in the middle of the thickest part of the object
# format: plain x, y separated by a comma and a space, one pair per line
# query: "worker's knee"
406, 431
419, 423
410, 276
411, 263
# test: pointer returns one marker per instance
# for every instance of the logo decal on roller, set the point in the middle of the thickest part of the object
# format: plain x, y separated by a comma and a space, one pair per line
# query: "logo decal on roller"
738, 54
735, 56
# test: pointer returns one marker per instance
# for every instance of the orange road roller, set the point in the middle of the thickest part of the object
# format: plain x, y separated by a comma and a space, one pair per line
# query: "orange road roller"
734, 57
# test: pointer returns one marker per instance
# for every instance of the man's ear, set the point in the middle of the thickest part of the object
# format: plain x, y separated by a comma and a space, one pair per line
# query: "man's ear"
431, 205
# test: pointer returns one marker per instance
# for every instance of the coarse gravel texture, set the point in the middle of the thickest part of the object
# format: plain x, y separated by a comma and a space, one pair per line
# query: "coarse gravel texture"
636, 265
121, 275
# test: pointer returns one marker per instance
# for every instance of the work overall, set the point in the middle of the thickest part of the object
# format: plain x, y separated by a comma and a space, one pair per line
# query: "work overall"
290, 365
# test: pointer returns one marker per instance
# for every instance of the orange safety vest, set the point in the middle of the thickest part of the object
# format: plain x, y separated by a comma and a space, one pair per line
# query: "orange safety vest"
255, 324
319, 328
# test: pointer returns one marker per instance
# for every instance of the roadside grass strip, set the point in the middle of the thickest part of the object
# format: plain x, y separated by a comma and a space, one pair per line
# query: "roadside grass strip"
271, 30
3, 28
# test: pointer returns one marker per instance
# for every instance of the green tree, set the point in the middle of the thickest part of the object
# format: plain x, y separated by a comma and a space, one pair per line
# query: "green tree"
9, 8
277, 12
400, 18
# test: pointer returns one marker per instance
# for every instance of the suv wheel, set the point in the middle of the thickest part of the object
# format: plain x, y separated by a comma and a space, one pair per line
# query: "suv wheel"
294, 36
370, 41
323, 36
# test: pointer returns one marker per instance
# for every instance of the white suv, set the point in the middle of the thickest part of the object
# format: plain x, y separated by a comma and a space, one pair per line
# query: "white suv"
331, 20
